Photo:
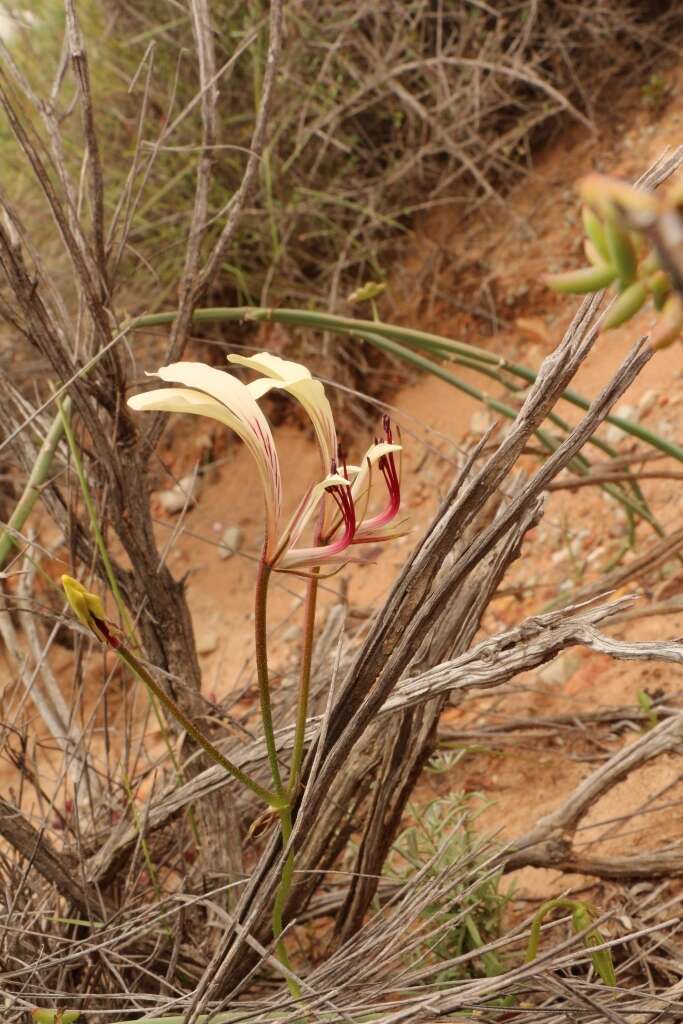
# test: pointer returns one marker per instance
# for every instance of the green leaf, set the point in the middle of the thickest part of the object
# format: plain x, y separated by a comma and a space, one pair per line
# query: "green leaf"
626, 306
580, 282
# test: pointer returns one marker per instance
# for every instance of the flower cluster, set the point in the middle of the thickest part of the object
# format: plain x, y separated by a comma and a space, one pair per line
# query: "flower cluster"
338, 523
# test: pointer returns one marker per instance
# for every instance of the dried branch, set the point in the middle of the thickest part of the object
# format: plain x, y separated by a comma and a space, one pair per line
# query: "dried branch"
549, 841
491, 663
36, 848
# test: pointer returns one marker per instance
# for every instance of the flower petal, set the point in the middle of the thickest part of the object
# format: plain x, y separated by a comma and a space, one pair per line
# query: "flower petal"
222, 397
306, 509
273, 366
297, 381
371, 457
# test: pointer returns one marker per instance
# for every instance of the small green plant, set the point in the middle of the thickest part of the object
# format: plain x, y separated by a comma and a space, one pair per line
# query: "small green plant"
582, 924
655, 92
647, 705
475, 905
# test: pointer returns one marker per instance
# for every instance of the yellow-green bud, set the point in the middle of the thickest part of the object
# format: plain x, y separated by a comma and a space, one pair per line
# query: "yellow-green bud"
88, 609
370, 290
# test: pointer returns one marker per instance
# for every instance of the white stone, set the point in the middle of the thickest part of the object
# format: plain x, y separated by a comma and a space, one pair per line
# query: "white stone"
185, 492
230, 542
480, 422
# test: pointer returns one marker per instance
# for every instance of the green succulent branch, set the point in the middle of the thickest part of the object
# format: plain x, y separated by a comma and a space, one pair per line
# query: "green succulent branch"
630, 246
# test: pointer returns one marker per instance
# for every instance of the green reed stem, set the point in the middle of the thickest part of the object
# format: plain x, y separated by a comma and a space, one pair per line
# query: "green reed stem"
406, 336
36, 479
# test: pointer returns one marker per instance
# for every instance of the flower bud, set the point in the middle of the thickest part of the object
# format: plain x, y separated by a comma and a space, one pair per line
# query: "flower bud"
88, 609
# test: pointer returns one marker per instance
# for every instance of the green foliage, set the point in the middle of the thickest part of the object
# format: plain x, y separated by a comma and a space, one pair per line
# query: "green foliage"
472, 915
380, 112
582, 924
646, 704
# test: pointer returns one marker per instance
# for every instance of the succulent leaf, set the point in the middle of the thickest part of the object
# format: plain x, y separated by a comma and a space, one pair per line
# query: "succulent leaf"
626, 306
580, 282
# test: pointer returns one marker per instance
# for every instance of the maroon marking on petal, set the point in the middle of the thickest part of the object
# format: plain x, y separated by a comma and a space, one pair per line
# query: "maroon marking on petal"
112, 640
347, 509
387, 467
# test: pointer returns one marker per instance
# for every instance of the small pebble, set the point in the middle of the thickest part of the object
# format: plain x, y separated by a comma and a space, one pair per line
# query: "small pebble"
230, 542
185, 492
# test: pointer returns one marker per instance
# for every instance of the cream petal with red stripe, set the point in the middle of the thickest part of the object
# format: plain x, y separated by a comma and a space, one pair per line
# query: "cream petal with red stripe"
220, 396
296, 380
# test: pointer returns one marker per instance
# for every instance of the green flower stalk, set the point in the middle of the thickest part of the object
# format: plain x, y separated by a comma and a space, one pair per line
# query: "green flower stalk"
89, 611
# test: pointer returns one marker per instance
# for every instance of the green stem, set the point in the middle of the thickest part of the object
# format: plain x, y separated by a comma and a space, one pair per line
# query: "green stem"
285, 810
37, 478
304, 683
542, 912
280, 904
261, 651
272, 799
